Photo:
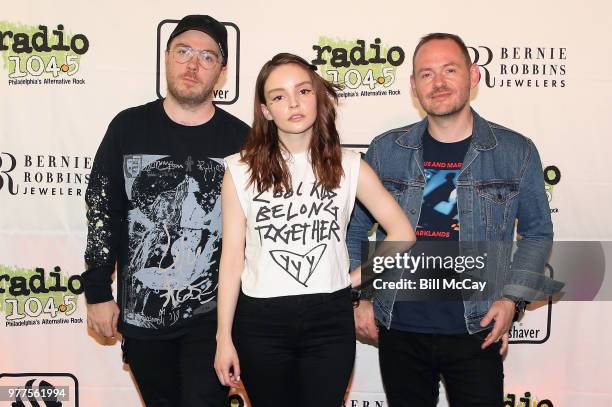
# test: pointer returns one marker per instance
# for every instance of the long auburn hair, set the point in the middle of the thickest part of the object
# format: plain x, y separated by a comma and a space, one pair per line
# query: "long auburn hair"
263, 150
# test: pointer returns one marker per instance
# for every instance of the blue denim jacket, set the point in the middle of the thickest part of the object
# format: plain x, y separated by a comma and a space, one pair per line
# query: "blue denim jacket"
501, 181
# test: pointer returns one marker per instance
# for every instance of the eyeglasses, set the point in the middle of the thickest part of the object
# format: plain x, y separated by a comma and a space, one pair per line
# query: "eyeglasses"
206, 58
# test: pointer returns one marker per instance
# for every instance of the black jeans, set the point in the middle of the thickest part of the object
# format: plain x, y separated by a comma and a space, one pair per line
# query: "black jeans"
296, 350
411, 365
177, 372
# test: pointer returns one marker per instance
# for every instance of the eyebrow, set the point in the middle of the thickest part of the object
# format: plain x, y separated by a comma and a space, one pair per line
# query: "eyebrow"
180, 44
296, 86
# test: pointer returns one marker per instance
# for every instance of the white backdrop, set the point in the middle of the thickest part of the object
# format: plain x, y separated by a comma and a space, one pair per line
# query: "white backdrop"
545, 68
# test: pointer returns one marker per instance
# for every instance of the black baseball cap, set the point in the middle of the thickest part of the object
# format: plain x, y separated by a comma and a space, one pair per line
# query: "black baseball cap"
207, 25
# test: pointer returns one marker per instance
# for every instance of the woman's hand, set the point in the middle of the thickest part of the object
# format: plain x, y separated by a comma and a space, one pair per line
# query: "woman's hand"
227, 365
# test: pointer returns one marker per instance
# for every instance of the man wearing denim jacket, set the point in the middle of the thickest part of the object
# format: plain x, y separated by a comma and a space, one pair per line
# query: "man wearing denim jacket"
497, 180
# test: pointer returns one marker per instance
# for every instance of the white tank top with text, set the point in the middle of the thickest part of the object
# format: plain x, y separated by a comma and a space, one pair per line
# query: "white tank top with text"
296, 241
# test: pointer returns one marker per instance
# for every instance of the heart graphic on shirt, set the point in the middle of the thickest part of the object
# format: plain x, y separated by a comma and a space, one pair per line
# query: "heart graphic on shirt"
299, 266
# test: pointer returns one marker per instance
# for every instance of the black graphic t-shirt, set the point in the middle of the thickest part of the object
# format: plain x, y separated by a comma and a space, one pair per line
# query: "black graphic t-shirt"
442, 163
154, 209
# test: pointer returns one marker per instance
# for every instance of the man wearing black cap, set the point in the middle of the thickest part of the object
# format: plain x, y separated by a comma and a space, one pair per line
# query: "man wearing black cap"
154, 212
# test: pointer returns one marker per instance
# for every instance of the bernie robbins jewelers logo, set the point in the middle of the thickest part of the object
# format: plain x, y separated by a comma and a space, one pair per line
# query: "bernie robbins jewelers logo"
31, 297
521, 67
44, 174
362, 69
226, 89
41, 55
39, 389
363, 403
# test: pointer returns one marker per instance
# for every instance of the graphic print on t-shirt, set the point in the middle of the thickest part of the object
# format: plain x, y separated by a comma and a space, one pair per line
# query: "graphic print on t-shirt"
306, 217
174, 237
299, 266
439, 218
438, 221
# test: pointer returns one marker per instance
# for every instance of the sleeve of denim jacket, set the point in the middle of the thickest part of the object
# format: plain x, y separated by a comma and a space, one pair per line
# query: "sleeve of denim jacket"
526, 278
105, 208
361, 220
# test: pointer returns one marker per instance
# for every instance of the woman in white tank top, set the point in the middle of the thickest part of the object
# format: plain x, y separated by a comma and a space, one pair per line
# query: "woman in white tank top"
285, 319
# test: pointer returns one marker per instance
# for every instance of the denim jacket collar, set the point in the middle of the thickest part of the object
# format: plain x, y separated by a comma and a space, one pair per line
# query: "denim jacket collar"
483, 137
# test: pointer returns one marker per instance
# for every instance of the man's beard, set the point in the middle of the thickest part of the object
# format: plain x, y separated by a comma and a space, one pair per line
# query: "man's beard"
189, 99
446, 113
451, 110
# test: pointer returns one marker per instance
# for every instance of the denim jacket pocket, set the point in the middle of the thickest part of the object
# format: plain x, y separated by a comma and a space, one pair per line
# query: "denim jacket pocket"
498, 205
498, 192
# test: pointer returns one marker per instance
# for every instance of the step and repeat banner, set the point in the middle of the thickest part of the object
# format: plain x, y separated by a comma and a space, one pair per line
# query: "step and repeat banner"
66, 69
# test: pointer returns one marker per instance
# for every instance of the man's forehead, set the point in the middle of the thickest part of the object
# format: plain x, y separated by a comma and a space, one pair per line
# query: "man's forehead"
194, 35
439, 48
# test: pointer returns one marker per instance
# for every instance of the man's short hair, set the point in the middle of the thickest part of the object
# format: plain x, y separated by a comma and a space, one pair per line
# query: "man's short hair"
443, 36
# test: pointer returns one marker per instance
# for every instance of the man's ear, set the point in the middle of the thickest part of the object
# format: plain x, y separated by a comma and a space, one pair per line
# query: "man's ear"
474, 75
413, 85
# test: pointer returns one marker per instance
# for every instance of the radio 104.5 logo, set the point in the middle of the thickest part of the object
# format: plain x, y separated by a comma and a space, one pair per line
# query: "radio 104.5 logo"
552, 176
41, 54
32, 297
363, 69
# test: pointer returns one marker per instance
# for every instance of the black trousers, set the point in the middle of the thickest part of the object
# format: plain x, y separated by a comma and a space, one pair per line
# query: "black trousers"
296, 351
177, 372
411, 365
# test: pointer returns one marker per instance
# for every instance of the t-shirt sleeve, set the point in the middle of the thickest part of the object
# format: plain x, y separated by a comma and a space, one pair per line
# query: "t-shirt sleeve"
105, 214
239, 174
